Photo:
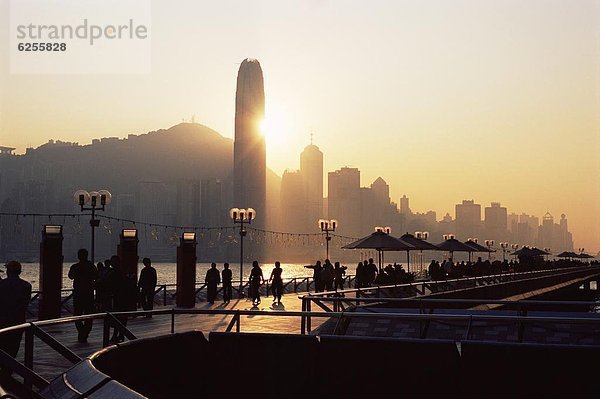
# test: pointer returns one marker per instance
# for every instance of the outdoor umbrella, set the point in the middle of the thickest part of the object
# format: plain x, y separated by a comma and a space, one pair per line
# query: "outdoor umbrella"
476, 247
417, 243
379, 241
453, 245
530, 252
567, 254
585, 256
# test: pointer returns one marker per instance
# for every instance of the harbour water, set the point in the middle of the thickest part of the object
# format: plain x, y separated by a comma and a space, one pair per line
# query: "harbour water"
167, 272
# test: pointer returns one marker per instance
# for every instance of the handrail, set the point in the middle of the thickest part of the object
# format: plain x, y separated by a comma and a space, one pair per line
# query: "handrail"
31, 377
508, 276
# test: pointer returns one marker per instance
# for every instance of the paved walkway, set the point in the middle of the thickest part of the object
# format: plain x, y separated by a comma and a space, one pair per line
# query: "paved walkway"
49, 363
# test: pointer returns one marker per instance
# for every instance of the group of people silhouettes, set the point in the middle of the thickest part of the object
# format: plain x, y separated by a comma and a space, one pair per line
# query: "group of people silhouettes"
327, 276
107, 287
213, 279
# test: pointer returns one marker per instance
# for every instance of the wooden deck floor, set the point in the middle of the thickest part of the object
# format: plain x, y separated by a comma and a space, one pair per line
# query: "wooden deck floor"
49, 364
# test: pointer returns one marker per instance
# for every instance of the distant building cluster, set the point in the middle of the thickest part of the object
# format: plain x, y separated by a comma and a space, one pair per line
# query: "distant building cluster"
190, 175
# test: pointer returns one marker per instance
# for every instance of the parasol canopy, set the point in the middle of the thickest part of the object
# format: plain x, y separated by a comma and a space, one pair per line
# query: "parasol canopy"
380, 241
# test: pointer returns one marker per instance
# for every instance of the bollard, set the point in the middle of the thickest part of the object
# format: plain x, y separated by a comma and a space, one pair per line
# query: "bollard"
127, 251
51, 272
186, 271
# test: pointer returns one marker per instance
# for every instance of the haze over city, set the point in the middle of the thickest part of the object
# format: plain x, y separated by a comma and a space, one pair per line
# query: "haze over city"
444, 100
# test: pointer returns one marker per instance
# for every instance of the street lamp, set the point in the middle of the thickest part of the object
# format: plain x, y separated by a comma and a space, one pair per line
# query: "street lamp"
422, 235
327, 226
514, 247
489, 244
504, 245
97, 201
241, 217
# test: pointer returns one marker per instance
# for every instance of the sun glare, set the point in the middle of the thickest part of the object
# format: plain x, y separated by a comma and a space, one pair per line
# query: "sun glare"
275, 127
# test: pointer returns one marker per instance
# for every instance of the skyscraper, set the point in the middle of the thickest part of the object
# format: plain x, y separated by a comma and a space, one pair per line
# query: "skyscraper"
344, 200
249, 157
311, 168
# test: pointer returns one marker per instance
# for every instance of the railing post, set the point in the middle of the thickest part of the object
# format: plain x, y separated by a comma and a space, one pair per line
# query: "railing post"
303, 318
308, 304
295, 285
106, 331
28, 356
172, 321
164, 295
237, 322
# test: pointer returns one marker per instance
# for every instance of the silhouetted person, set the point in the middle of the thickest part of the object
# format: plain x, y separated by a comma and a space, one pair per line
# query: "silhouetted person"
371, 272
15, 294
256, 279
125, 295
226, 277
106, 284
327, 275
359, 278
277, 282
317, 268
339, 272
212, 279
84, 275
98, 286
147, 285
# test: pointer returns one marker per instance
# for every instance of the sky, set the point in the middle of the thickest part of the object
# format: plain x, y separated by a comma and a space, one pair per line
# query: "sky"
445, 100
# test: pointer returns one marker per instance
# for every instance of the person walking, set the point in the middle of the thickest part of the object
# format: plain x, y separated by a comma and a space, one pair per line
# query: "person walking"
125, 296
226, 281
256, 279
212, 279
276, 283
84, 275
15, 294
147, 285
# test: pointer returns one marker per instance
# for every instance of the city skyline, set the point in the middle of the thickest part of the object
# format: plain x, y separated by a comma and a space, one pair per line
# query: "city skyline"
463, 100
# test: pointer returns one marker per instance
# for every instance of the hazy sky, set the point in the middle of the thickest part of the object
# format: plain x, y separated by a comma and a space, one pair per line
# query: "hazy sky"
446, 100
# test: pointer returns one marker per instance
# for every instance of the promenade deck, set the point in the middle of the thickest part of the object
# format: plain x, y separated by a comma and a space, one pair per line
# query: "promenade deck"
49, 364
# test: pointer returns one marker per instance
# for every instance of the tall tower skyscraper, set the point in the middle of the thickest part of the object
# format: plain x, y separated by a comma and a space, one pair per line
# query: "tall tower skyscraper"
249, 157
311, 168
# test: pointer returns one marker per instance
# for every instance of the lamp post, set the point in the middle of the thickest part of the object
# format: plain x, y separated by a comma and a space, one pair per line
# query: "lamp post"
489, 244
504, 245
97, 201
472, 239
241, 217
446, 238
422, 235
327, 226
514, 247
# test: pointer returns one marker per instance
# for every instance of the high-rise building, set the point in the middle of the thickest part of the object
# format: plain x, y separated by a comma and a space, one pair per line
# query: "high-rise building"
311, 168
496, 222
468, 219
404, 205
249, 159
292, 199
212, 213
188, 202
344, 199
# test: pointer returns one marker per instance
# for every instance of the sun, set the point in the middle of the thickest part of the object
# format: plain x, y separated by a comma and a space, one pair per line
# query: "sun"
275, 127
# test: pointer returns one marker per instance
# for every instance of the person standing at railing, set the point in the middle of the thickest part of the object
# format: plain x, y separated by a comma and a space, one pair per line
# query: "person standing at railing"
328, 275
147, 285
212, 280
84, 275
339, 273
226, 280
317, 268
14, 298
276, 283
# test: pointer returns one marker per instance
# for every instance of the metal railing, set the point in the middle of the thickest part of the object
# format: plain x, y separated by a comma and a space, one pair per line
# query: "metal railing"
31, 330
164, 294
